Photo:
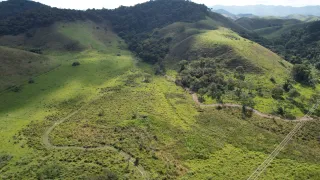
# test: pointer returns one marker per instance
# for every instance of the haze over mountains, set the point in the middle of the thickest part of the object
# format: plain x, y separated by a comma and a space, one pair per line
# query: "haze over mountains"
267, 10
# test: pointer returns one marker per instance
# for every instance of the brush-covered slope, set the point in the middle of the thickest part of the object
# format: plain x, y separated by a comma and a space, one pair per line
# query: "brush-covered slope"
112, 117
258, 23
224, 66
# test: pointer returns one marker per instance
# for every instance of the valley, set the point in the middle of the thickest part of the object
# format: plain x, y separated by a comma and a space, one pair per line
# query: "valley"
130, 94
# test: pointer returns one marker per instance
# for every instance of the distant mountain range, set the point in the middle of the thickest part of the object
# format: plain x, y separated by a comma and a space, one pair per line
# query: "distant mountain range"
265, 10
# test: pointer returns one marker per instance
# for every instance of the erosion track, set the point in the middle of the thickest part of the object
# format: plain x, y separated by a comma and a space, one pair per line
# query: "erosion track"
48, 145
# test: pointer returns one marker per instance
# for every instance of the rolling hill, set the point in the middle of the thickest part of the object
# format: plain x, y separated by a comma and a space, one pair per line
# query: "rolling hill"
260, 23
119, 106
265, 10
19, 67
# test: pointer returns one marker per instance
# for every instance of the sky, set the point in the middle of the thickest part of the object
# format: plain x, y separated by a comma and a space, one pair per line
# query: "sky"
110, 4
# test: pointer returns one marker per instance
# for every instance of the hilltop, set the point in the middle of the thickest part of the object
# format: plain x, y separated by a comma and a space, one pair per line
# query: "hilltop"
265, 10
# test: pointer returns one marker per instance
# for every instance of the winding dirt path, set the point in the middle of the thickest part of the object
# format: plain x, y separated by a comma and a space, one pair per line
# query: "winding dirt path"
48, 145
268, 116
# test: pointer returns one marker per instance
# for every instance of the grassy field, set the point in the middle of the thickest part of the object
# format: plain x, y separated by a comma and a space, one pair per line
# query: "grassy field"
150, 118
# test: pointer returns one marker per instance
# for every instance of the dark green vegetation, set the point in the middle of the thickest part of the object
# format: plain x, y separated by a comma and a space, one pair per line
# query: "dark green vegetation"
259, 23
296, 41
271, 10
19, 16
299, 45
102, 113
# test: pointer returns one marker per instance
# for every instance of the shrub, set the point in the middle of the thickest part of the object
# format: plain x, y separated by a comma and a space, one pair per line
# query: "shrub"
76, 64
31, 81
302, 73
294, 93
277, 93
16, 88
318, 65
273, 80
287, 86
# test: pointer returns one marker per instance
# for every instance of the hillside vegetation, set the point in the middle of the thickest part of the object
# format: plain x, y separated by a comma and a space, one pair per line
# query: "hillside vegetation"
224, 67
119, 106
18, 67
259, 23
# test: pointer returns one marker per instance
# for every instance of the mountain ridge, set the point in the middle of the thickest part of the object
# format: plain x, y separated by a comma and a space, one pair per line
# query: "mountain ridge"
267, 10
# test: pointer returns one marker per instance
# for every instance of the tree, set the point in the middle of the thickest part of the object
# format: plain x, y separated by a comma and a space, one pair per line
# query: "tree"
293, 93
183, 65
317, 65
302, 73
277, 93
240, 73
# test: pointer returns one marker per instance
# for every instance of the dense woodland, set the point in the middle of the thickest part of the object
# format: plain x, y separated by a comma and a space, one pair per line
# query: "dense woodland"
300, 45
27, 15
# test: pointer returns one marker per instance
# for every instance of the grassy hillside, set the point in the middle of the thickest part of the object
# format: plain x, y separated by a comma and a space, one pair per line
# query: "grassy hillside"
222, 52
129, 123
104, 114
18, 67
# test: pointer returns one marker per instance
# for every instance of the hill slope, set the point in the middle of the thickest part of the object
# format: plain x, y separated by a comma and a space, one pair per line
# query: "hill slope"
18, 66
265, 10
104, 114
259, 23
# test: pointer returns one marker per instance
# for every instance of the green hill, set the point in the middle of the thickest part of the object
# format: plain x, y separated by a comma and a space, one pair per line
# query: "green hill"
18, 67
117, 107
259, 23
276, 32
222, 52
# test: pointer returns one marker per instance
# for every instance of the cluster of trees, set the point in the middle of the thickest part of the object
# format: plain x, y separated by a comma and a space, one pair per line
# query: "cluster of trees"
203, 76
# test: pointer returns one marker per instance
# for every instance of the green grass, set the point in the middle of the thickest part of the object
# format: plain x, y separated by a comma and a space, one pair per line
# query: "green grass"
157, 122
17, 66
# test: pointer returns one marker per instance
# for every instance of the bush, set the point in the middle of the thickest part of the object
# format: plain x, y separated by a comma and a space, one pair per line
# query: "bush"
31, 81
277, 93
302, 73
273, 80
76, 64
318, 66
294, 93
16, 88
